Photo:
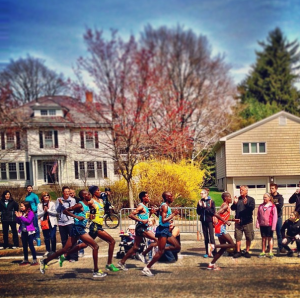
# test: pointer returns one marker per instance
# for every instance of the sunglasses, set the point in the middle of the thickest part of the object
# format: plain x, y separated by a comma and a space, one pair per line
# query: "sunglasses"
46, 195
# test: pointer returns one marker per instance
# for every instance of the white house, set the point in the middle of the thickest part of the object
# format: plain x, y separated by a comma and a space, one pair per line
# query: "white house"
56, 140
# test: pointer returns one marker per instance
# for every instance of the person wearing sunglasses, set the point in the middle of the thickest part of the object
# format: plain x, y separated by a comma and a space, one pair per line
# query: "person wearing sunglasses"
48, 215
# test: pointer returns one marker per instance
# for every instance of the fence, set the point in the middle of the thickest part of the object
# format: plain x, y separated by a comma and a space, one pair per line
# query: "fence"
188, 220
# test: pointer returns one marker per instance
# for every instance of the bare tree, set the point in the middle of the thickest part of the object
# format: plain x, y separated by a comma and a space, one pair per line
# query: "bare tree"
30, 79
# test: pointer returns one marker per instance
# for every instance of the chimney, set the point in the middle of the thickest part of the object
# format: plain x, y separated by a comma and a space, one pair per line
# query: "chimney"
88, 97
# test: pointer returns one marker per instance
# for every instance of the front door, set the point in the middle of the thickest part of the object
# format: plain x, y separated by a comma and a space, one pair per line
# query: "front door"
51, 172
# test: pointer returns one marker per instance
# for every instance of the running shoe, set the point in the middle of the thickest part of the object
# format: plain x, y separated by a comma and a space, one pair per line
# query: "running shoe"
61, 260
112, 268
271, 255
247, 255
146, 271
122, 266
99, 273
290, 253
213, 267
42, 266
237, 255
211, 248
81, 255
23, 263
262, 255
205, 256
34, 263
141, 257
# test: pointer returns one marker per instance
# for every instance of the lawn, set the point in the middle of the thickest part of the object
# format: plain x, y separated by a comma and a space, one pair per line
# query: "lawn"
216, 195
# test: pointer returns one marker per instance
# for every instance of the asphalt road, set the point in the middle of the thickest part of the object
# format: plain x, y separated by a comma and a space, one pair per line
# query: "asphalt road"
188, 277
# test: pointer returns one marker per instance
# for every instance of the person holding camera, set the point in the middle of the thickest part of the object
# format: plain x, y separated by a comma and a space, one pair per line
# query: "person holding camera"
295, 198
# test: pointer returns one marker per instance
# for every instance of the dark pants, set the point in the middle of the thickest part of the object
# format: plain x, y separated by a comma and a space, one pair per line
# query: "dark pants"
289, 240
50, 237
28, 240
36, 225
65, 232
5, 227
208, 233
278, 233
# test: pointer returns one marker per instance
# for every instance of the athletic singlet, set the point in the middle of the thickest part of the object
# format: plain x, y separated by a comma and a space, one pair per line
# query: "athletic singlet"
221, 226
143, 216
99, 213
86, 209
169, 212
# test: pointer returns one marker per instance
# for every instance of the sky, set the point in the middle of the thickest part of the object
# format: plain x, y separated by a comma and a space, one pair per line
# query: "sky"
53, 30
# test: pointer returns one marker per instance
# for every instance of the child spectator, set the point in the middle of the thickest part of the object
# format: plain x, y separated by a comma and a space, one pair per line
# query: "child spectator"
292, 225
25, 218
266, 221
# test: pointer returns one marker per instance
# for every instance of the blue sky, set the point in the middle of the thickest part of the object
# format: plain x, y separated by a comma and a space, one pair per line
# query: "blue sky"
53, 30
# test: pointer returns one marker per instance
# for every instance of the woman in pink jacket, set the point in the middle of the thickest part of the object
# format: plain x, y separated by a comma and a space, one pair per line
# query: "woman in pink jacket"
266, 221
25, 218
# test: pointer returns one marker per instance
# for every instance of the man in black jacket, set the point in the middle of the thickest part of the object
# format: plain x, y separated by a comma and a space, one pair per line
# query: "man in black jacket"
278, 201
243, 207
295, 198
8, 207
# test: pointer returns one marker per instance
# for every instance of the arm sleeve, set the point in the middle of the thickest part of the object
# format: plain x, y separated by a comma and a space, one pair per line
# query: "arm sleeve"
233, 207
59, 207
52, 210
40, 211
275, 217
250, 203
293, 198
28, 219
36, 199
212, 209
280, 202
283, 228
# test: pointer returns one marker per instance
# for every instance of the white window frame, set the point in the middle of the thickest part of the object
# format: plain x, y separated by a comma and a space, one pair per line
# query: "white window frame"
83, 171
257, 147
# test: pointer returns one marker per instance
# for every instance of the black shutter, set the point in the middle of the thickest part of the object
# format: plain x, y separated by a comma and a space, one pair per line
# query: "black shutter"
76, 169
18, 140
55, 139
96, 140
27, 171
82, 139
2, 141
41, 140
105, 168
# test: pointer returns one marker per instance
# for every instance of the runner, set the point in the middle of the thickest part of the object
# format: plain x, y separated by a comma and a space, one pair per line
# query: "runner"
162, 232
80, 213
220, 230
141, 216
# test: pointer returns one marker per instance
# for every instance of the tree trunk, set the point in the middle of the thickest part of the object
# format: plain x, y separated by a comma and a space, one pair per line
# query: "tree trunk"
130, 194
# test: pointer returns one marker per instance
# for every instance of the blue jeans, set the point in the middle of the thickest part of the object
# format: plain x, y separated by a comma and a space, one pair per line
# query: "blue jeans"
278, 227
50, 237
36, 225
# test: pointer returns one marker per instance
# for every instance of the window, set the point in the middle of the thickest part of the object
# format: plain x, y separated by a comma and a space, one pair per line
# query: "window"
10, 140
89, 139
12, 168
48, 112
90, 169
48, 139
254, 148
14, 171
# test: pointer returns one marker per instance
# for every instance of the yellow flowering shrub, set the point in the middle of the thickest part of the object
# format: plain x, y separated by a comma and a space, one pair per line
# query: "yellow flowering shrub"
183, 179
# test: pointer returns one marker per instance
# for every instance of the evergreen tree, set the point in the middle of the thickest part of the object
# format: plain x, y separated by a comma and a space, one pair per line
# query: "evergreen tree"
270, 85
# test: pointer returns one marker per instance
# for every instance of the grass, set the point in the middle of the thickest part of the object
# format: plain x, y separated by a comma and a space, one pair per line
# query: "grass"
216, 196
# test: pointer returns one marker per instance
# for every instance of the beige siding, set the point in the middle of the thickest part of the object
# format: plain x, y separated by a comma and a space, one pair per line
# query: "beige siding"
220, 162
282, 151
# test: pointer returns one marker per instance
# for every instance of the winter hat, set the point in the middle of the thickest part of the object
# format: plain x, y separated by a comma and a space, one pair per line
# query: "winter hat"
93, 189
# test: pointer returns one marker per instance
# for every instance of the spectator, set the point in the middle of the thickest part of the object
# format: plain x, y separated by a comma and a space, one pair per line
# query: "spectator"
8, 206
243, 207
278, 201
292, 228
152, 228
105, 196
206, 210
33, 199
168, 255
48, 213
25, 218
65, 222
295, 198
266, 221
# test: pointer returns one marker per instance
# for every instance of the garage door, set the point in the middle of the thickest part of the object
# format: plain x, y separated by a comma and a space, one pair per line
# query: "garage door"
257, 187
287, 186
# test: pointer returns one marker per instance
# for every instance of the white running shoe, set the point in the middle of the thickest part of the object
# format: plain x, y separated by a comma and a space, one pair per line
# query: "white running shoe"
122, 266
99, 273
147, 271
141, 257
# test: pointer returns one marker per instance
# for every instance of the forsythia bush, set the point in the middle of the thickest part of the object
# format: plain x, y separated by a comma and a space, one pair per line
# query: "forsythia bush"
183, 179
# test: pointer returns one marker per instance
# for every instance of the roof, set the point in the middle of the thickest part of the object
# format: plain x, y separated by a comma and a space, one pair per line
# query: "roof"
259, 123
75, 113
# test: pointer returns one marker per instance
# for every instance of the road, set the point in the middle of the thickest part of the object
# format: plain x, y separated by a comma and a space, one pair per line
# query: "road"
188, 277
